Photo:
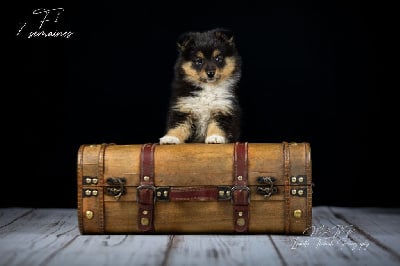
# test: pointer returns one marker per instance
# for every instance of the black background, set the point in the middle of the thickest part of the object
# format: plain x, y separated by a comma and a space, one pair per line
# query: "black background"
312, 71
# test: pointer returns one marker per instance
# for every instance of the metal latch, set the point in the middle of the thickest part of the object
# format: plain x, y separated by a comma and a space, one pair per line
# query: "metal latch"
116, 187
298, 180
162, 193
299, 191
268, 186
224, 192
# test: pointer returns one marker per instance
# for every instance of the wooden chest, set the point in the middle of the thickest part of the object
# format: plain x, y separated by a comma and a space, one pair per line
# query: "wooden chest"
195, 188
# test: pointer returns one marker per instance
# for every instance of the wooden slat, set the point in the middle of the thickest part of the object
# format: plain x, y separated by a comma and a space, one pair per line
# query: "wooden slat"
380, 226
51, 237
336, 241
341, 236
10, 215
222, 250
34, 238
114, 250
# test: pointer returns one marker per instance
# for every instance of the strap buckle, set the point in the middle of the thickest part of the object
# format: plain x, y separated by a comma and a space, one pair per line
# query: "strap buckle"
245, 188
141, 187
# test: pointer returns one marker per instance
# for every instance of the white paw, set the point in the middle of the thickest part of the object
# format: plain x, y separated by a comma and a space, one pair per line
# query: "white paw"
215, 139
169, 140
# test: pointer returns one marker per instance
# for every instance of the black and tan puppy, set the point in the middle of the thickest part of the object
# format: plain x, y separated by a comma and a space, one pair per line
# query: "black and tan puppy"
204, 105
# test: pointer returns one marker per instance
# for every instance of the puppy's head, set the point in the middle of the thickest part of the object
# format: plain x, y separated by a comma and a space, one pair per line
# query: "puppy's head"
208, 57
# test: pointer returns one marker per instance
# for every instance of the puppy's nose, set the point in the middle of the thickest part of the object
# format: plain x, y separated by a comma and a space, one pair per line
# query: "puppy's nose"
210, 74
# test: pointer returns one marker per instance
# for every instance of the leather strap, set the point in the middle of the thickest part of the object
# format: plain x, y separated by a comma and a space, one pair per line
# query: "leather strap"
100, 176
193, 194
80, 194
286, 174
145, 191
240, 191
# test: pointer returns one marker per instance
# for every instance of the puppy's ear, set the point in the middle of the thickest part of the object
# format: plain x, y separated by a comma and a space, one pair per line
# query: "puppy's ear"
225, 35
184, 41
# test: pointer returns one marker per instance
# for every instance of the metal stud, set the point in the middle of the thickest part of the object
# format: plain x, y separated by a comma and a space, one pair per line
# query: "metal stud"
294, 192
95, 180
241, 221
158, 193
146, 178
88, 192
300, 192
221, 193
88, 180
89, 215
145, 212
301, 179
297, 213
95, 192
144, 221
240, 214
165, 193
240, 178
294, 179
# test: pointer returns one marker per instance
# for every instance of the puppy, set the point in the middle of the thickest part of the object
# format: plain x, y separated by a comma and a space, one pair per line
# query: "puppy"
204, 106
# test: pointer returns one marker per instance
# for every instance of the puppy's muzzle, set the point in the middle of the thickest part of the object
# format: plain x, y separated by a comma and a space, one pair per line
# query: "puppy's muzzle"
210, 74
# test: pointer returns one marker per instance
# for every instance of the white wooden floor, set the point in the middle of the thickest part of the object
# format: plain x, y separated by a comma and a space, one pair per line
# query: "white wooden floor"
341, 236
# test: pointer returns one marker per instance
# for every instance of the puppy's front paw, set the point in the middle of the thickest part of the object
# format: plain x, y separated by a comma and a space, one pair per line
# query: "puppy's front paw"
169, 140
215, 139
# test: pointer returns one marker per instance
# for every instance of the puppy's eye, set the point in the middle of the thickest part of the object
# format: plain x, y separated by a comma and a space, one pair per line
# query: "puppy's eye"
198, 61
219, 59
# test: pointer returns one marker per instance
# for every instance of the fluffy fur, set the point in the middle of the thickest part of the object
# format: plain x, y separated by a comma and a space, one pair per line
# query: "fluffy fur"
204, 105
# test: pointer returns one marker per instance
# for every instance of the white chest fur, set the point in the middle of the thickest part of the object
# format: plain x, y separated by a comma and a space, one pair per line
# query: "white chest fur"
206, 102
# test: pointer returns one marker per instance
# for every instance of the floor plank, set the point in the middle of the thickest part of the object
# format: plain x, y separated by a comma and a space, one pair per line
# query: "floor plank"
381, 226
222, 250
51, 237
9, 215
341, 236
334, 241
113, 250
36, 236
